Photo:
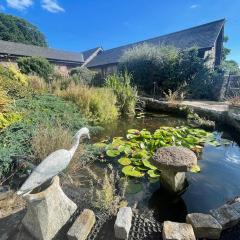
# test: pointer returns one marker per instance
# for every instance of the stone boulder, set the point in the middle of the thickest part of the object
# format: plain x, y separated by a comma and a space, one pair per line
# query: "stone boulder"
47, 211
82, 226
204, 225
177, 231
123, 223
177, 159
227, 215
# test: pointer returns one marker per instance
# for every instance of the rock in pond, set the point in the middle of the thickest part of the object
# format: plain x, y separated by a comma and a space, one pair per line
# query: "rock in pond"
123, 223
173, 162
177, 159
47, 211
204, 225
82, 226
227, 215
177, 231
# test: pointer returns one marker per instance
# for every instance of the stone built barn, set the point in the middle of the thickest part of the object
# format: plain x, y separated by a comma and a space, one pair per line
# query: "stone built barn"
208, 38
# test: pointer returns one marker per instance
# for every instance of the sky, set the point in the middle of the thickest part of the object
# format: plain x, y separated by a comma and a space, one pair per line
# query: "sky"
78, 25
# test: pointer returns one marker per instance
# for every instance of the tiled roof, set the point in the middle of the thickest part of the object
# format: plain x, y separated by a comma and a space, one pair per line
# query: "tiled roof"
88, 53
19, 49
203, 36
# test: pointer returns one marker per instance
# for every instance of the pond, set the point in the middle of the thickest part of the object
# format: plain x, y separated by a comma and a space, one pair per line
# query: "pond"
217, 182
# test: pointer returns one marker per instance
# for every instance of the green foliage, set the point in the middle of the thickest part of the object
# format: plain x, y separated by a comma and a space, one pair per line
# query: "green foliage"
126, 94
16, 29
46, 110
167, 67
83, 75
96, 104
36, 66
13, 82
134, 153
230, 67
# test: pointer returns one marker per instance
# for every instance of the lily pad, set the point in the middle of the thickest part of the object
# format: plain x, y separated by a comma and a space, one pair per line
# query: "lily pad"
132, 171
147, 164
195, 169
112, 153
124, 161
153, 173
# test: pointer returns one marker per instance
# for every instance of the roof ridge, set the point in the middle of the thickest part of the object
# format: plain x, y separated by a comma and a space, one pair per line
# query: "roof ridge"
168, 34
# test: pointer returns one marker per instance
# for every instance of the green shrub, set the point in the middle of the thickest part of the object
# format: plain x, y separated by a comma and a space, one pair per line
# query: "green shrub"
167, 67
97, 104
13, 82
36, 65
82, 75
126, 94
44, 110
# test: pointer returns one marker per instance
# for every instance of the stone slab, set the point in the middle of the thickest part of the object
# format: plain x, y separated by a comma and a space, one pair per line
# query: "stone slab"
123, 223
226, 215
177, 159
177, 231
204, 225
82, 226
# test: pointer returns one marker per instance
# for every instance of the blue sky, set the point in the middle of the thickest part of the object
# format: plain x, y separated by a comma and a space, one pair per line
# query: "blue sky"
82, 24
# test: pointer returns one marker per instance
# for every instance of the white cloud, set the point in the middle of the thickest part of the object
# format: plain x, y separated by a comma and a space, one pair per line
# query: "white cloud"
52, 6
20, 4
195, 6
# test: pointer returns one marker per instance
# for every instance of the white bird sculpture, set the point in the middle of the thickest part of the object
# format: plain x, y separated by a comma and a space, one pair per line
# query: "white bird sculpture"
52, 165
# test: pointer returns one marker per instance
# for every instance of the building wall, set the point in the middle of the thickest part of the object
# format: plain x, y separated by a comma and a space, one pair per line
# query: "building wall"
106, 69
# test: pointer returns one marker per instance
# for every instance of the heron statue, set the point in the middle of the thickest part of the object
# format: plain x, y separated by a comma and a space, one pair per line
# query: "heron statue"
52, 165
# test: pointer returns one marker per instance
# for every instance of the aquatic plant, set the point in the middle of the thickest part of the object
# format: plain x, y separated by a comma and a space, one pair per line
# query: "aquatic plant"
134, 153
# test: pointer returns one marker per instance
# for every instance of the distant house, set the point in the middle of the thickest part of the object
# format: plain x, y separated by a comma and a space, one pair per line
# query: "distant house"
208, 38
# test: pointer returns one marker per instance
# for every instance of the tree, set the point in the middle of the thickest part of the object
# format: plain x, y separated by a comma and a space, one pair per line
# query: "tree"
228, 66
18, 30
36, 65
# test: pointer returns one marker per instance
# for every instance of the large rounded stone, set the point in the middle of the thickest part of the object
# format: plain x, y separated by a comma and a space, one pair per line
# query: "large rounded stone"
176, 159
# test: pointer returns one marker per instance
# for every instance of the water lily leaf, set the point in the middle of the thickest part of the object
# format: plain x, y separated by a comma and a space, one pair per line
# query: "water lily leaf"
134, 131
145, 134
132, 171
195, 169
153, 173
112, 153
124, 161
100, 145
147, 164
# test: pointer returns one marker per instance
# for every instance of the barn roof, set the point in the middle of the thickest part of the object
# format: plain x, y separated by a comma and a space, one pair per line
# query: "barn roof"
203, 36
88, 53
20, 49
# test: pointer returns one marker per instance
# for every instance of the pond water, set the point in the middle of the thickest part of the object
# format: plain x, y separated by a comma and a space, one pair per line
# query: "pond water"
217, 182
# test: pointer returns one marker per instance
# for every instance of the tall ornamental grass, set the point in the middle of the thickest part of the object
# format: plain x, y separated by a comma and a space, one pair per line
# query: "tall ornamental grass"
97, 104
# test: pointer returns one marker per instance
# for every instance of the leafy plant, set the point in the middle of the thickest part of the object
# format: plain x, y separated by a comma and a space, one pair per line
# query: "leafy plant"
134, 153
126, 94
166, 67
36, 65
45, 110
83, 75
13, 82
